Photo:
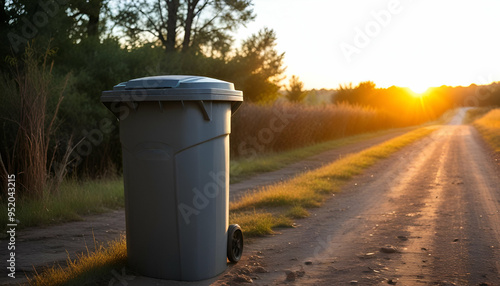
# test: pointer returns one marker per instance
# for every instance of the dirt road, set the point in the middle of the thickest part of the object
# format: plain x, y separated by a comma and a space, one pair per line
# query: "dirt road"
429, 215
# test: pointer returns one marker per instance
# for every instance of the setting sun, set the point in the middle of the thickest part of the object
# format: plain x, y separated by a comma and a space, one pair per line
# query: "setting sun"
418, 91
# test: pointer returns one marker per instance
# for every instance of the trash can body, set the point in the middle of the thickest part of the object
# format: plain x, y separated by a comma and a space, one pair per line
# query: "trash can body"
175, 145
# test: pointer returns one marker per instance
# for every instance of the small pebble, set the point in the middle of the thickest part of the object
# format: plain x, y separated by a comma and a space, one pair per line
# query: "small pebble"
388, 249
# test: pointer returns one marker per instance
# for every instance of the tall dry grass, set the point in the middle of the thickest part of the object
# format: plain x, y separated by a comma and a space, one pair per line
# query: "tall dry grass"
260, 129
489, 127
31, 89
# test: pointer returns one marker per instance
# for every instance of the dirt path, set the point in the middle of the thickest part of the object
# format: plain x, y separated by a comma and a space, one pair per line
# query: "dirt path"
429, 215
46, 246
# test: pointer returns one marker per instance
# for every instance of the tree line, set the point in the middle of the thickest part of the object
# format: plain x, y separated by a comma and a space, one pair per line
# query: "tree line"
418, 108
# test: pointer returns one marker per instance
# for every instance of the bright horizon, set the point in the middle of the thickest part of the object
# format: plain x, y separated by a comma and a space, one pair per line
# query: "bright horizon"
415, 44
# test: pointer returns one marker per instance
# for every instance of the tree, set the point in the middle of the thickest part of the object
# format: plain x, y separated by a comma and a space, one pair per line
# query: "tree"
62, 23
172, 9
200, 23
363, 93
295, 92
4, 27
257, 67
88, 14
25, 20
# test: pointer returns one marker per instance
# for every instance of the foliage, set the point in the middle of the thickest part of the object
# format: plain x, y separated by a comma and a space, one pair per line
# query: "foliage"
257, 67
205, 24
295, 92
62, 23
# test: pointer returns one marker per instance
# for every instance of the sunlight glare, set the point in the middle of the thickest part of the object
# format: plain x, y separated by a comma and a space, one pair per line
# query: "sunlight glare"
418, 91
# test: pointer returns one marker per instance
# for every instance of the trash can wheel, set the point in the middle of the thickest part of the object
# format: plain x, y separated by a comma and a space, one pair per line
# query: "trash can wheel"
234, 243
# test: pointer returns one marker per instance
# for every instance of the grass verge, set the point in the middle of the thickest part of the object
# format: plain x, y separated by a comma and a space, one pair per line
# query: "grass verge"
489, 127
475, 113
92, 268
257, 213
73, 200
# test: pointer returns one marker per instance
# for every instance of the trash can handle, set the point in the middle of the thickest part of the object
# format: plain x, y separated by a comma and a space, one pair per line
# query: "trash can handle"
235, 105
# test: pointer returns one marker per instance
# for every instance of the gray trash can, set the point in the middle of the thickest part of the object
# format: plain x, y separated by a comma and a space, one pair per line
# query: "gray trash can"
174, 132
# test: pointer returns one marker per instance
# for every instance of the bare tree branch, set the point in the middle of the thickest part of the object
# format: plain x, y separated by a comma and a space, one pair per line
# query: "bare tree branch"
160, 11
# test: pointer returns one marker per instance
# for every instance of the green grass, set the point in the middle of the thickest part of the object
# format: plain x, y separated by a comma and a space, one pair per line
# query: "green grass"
296, 212
489, 127
259, 223
73, 200
257, 213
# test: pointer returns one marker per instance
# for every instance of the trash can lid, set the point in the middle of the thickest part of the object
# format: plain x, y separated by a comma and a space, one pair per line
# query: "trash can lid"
172, 88
174, 81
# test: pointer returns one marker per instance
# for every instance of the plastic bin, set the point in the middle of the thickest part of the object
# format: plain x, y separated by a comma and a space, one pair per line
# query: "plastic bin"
174, 132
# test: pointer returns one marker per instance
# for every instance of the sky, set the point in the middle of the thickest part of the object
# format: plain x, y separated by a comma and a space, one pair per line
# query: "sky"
408, 43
